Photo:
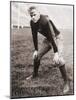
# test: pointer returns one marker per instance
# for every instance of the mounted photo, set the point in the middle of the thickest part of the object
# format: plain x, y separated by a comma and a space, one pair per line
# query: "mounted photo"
41, 49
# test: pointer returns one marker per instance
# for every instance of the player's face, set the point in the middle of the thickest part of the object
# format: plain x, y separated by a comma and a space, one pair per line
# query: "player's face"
35, 15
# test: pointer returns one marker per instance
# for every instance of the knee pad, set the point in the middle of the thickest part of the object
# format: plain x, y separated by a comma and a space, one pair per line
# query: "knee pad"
61, 62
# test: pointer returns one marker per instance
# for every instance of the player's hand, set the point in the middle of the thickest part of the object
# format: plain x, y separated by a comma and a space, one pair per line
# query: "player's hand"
35, 54
56, 58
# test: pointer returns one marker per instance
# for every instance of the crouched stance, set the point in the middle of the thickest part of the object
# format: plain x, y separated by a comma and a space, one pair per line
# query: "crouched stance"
53, 39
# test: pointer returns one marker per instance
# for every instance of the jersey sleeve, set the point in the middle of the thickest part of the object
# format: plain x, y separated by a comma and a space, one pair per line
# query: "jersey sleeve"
50, 36
34, 35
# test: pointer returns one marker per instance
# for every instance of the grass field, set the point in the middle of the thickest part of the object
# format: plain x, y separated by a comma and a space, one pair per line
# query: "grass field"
49, 82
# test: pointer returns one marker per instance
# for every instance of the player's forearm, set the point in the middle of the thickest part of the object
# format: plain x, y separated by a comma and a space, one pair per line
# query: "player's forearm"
35, 41
54, 47
36, 45
52, 41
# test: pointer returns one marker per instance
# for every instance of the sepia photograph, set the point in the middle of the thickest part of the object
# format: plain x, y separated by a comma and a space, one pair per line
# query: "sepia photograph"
41, 49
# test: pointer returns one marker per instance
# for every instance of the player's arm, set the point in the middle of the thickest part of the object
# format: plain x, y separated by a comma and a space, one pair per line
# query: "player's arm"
34, 35
35, 40
51, 39
50, 36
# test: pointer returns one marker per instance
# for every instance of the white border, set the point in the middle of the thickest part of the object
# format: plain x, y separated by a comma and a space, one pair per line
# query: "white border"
5, 49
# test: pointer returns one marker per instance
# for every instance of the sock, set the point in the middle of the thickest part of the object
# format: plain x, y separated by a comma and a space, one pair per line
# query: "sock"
36, 67
63, 72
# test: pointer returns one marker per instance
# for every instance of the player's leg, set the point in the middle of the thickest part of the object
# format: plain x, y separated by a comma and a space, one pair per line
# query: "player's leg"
44, 49
64, 76
62, 64
36, 62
